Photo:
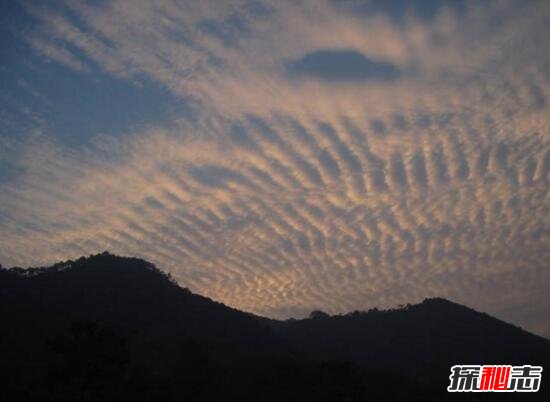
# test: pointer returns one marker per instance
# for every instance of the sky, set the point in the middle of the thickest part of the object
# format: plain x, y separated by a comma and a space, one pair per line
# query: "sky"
286, 156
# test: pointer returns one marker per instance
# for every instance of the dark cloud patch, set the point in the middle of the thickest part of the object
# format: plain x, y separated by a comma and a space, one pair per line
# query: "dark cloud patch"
355, 132
423, 121
462, 169
444, 120
329, 132
378, 126
263, 176
329, 163
153, 203
346, 155
378, 176
303, 242
400, 122
301, 134
316, 211
319, 240
398, 171
285, 172
537, 96
216, 176
440, 164
310, 171
239, 136
419, 169
483, 161
501, 155
341, 66
512, 173
266, 132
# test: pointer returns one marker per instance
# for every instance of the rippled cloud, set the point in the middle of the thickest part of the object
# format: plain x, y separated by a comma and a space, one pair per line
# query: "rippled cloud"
336, 157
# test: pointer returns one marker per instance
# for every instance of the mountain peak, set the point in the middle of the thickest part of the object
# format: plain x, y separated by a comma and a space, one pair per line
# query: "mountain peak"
104, 261
440, 303
436, 301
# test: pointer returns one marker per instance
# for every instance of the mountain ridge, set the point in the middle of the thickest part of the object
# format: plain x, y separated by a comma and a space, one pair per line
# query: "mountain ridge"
30, 272
417, 343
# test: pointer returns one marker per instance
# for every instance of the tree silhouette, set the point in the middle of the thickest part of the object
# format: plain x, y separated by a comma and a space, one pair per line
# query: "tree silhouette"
93, 364
193, 374
318, 314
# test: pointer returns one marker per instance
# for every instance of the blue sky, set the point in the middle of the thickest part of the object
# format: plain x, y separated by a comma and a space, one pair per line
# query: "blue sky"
69, 105
285, 156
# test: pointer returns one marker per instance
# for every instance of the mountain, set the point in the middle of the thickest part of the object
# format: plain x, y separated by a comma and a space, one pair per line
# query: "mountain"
422, 340
115, 328
133, 297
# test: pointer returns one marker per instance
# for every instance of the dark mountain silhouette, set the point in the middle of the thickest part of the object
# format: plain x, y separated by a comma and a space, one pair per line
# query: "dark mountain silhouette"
133, 297
113, 328
422, 340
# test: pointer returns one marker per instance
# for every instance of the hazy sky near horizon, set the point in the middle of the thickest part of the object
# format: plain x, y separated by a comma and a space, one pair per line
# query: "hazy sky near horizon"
285, 156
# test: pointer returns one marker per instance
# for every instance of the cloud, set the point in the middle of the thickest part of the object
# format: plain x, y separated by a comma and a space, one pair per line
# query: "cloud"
342, 65
280, 195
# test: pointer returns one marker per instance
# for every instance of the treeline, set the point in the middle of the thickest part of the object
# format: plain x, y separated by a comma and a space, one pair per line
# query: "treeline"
91, 362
